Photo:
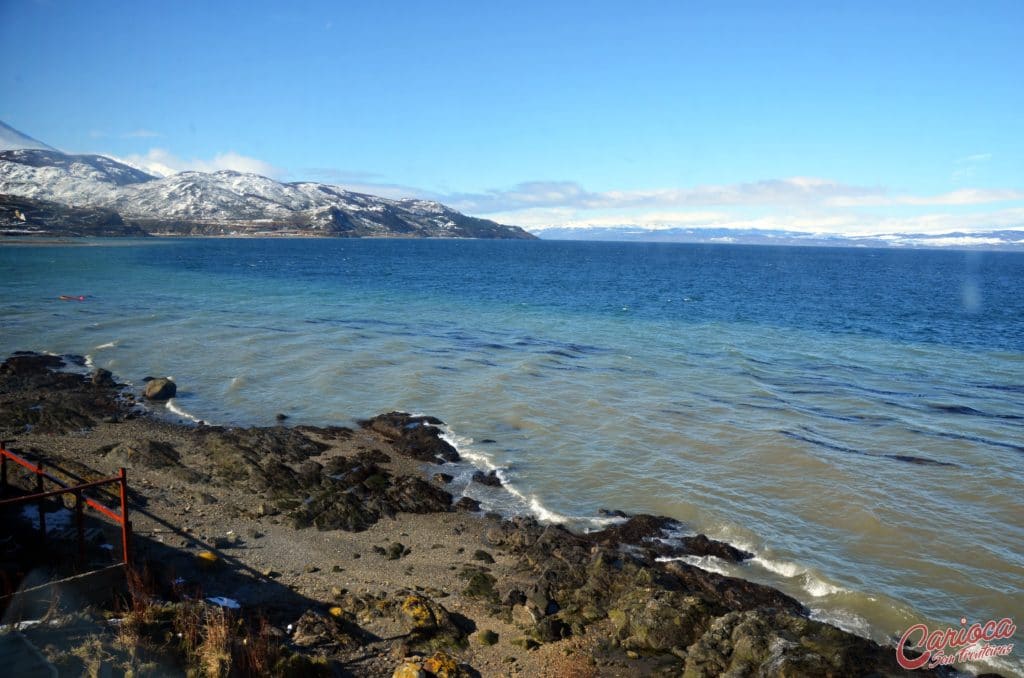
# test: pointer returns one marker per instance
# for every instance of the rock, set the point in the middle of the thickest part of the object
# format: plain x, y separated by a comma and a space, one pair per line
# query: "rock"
416, 437
525, 616
145, 454
396, 551
611, 513
409, 669
700, 545
161, 388
438, 665
635, 531
484, 637
442, 665
526, 643
102, 378
659, 620
40, 397
483, 556
415, 495
442, 478
467, 504
317, 630
489, 479
432, 625
479, 584
281, 416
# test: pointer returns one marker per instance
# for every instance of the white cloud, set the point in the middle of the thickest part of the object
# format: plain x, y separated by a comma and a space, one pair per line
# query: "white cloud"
163, 162
556, 193
963, 196
141, 134
804, 204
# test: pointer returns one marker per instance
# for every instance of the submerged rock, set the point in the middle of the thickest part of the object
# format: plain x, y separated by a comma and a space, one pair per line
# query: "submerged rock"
489, 479
467, 504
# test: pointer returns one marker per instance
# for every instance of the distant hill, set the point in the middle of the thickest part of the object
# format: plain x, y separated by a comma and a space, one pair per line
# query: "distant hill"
57, 186
989, 240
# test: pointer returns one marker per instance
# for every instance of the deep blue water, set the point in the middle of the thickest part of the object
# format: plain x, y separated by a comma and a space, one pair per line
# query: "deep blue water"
853, 416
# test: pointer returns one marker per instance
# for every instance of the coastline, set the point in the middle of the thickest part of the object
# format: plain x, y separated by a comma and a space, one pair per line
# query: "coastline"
304, 521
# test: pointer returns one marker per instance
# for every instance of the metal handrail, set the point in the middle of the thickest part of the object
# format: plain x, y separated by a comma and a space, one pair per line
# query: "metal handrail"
81, 501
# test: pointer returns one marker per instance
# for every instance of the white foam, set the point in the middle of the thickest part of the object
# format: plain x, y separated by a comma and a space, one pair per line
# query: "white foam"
818, 588
781, 568
463, 445
109, 344
815, 586
707, 563
844, 619
172, 407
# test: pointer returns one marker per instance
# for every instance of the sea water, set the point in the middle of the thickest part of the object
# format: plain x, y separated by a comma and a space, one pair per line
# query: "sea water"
853, 417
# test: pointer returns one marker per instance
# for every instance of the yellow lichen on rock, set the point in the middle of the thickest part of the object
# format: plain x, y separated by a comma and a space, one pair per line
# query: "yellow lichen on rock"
418, 611
409, 670
442, 665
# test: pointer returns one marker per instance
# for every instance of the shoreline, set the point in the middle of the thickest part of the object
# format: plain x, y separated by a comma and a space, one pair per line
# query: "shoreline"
345, 520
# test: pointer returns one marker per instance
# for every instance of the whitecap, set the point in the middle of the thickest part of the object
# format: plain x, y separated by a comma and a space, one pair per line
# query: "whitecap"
172, 407
819, 588
781, 568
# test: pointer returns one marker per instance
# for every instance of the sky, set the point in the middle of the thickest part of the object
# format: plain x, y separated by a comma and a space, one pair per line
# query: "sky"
829, 117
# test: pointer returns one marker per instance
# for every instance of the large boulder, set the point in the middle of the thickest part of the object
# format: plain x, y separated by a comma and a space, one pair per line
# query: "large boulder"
160, 388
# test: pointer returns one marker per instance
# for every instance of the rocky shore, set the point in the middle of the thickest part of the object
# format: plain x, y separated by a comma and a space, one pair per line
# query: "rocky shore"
331, 551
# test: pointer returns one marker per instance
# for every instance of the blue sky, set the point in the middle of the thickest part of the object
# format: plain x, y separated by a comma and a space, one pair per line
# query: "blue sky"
833, 117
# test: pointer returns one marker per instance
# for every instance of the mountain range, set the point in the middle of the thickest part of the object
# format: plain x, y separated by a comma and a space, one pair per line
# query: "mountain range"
1002, 239
45, 191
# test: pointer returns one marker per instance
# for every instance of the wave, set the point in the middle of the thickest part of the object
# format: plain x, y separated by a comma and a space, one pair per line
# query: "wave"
172, 407
528, 504
814, 585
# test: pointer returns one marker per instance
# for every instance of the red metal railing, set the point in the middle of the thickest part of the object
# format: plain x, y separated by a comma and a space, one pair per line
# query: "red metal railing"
81, 501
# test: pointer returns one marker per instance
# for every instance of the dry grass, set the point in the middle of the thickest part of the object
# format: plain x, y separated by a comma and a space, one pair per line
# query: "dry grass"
214, 652
259, 651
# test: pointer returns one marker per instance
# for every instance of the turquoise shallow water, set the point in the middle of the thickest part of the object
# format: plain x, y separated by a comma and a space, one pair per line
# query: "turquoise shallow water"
853, 417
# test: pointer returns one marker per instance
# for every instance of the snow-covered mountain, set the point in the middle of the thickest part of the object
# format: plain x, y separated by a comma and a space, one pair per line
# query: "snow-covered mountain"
1002, 239
218, 203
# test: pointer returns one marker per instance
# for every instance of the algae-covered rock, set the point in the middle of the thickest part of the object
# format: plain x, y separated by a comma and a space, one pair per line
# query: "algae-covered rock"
485, 637
317, 630
433, 627
438, 665
659, 620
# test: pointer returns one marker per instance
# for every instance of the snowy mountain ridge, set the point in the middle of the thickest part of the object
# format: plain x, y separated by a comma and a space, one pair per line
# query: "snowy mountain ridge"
225, 202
